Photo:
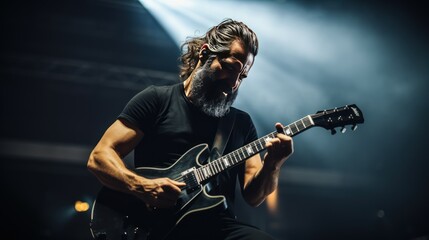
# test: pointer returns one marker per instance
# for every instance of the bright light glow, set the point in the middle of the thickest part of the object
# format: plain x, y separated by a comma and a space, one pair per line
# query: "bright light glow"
80, 206
301, 52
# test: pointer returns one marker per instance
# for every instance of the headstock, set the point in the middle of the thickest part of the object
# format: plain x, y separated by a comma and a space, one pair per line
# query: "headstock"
338, 117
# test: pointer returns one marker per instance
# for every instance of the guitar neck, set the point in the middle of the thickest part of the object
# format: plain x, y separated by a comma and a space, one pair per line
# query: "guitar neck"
238, 156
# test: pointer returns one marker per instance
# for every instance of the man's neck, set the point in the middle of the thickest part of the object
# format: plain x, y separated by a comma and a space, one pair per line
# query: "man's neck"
187, 86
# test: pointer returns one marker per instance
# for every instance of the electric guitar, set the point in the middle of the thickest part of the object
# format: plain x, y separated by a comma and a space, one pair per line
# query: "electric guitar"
119, 216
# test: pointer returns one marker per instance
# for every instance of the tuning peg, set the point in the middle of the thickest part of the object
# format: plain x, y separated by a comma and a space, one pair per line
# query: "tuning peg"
333, 131
343, 130
354, 127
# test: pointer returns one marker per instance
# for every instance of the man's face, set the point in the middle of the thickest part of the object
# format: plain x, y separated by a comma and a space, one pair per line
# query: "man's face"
216, 82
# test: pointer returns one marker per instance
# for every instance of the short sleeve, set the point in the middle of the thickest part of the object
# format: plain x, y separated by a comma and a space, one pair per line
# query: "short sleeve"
142, 109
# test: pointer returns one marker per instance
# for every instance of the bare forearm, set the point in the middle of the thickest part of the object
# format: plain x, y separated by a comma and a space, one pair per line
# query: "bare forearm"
108, 167
266, 178
263, 184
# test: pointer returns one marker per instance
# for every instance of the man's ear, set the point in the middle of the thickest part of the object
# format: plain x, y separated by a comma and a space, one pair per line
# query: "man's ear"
204, 52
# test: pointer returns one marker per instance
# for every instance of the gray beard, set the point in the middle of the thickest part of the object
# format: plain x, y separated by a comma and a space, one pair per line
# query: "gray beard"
207, 92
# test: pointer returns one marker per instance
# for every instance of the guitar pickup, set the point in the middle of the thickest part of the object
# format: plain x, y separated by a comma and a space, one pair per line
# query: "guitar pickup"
190, 178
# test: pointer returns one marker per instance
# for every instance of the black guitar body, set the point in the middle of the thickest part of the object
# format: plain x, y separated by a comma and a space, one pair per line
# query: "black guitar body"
117, 216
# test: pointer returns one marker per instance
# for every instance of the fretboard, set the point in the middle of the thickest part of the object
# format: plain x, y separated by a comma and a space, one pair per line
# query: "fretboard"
238, 156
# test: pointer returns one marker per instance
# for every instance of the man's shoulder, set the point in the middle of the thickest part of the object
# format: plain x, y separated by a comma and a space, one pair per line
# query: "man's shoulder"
162, 88
241, 114
157, 91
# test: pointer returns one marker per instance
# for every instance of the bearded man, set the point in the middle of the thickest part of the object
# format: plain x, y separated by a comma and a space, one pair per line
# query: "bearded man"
161, 123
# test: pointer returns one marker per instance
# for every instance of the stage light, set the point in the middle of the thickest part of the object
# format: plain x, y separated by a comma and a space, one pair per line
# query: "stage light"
80, 206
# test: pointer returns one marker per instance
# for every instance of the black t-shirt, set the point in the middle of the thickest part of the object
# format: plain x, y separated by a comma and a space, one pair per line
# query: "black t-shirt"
171, 125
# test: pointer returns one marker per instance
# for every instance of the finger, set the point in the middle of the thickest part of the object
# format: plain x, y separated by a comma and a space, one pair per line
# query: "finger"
179, 184
284, 138
279, 128
171, 187
275, 141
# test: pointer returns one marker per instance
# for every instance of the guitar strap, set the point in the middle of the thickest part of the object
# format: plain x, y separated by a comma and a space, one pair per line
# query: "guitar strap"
224, 129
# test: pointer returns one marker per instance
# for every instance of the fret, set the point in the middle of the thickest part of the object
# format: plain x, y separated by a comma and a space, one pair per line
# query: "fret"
203, 176
267, 139
303, 124
309, 121
197, 173
256, 144
205, 171
209, 170
300, 126
244, 154
261, 143
288, 131
231, 159
296, 126
200, 176
293, 129
225, 161
249, 150
243, 151
235, 158
238, 155
213, 167
218, 168
219, 165
255, 147
222, 163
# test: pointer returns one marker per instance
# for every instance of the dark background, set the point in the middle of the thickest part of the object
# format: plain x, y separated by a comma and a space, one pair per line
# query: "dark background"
69, 67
